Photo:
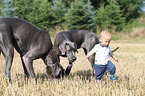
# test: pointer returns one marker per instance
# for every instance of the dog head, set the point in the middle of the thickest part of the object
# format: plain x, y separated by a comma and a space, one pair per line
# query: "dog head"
69, 49
53, 67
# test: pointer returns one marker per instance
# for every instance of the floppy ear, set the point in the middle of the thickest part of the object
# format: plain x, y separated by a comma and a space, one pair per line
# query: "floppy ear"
48, 71
73, 45
62, 48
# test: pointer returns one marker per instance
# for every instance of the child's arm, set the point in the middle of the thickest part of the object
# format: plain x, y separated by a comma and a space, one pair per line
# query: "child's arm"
88, 55
113, 56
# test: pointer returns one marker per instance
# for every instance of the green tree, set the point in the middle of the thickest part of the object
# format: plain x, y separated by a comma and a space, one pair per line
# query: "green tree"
130, 8
24, 7
8, 10
1, 6
80, 16
58, 11
38, 12
110, 17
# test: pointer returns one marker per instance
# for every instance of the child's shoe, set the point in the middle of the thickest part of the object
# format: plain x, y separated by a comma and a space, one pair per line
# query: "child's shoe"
113, 78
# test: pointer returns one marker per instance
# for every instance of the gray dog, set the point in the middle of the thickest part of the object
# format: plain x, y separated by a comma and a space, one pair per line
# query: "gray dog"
67, 42
31, 43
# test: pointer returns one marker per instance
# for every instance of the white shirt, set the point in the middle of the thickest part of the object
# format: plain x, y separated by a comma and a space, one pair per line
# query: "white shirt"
101, 54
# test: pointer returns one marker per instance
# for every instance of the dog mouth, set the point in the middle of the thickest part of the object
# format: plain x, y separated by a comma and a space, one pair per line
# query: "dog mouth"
72, 59
57, 74
61, 74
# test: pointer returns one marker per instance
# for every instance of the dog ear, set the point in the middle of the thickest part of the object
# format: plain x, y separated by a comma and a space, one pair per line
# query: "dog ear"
62, 48
73, 45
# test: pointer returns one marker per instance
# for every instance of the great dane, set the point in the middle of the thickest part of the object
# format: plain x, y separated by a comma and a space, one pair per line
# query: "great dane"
66, 44
31, 43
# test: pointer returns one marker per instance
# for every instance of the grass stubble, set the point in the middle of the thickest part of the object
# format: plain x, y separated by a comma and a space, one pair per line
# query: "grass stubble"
130, 74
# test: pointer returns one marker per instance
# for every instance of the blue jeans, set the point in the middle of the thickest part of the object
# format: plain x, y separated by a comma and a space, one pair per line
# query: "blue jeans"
100, 70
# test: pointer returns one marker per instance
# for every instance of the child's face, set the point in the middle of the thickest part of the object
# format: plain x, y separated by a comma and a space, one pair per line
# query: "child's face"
105, 40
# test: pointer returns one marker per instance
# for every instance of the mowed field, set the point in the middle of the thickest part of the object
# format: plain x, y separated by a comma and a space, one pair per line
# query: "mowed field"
130, 74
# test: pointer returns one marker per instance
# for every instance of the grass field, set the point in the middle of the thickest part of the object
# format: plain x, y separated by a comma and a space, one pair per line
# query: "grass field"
130, 74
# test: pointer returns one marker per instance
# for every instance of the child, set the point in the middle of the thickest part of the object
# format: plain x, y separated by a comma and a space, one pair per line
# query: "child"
102, 58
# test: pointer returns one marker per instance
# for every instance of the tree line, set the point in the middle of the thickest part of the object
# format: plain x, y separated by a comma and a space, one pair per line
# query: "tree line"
74, 14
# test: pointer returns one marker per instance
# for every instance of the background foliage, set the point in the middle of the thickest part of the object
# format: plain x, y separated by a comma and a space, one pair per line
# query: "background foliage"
118, 14
77, 14
80, 16
107, 18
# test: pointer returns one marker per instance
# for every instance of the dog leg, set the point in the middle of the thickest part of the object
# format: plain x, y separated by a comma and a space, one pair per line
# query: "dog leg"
68, 69
24, 67
27, 59
89, 45
29, 66
91, 59
7, 49
8, 54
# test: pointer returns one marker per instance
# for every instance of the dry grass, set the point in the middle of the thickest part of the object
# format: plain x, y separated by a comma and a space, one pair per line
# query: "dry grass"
130, 74
138, 32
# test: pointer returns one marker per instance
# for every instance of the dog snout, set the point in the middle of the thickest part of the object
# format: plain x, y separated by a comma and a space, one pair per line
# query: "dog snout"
61, 74
74, 58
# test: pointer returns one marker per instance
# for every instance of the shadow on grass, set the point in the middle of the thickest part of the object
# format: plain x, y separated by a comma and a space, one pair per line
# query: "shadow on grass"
86, 75
83, 75
39, 78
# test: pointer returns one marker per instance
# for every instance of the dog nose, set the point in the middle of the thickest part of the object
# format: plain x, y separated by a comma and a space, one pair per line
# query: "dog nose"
74, 58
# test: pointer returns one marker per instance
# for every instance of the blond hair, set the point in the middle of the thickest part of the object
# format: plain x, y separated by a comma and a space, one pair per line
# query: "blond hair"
105, 34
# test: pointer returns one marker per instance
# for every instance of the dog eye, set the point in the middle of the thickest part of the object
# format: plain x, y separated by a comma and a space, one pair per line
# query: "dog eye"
68, 50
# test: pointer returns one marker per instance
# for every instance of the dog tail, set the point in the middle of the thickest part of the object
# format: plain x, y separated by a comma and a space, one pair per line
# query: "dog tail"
115, 49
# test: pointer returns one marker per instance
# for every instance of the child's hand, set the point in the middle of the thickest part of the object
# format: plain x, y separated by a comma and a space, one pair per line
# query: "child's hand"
84, 59
116, 59
88, 55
